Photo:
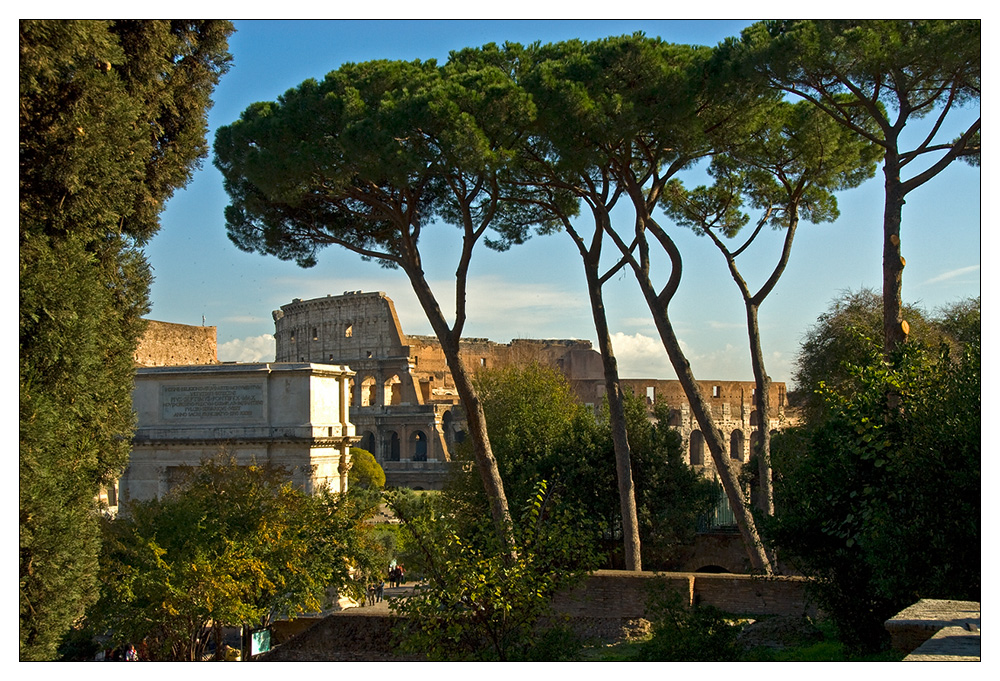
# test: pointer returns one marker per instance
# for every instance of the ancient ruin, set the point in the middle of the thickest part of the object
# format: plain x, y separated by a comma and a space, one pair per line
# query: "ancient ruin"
291, 414
403, 401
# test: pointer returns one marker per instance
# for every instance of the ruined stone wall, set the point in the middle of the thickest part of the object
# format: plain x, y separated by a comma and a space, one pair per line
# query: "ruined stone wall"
405, 405
732, 407
166, 344
607, 603
354, 326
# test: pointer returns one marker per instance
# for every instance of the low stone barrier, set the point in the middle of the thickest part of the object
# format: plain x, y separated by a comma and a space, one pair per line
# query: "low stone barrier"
608, 604
622, 594
914, 627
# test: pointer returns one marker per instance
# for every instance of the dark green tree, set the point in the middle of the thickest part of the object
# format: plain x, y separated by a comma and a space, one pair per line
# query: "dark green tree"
540, 431
876, 78
879, 499
845, 333
787, 169
112, 119
230, 545
370, 158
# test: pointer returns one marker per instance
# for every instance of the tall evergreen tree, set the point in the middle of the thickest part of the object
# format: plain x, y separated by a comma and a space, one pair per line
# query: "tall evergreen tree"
112, 121
877, 78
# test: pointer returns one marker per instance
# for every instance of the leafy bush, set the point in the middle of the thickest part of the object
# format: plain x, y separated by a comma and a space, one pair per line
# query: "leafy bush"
701, 633
365, 471
880, 500
479, 603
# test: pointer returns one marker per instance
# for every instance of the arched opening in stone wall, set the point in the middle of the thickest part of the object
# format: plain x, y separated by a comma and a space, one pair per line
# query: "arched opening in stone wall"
392, 391
367, 441
754, 419
418, 445
391, 443
368, 391
697, 448
736, 445
675, 418
350, 392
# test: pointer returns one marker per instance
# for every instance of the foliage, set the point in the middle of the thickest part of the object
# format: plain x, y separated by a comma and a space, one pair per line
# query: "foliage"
701, 633
540, 431
880, 499
850, 330
365, 471
230, 545
112, 119
670, 495
479, 602
876, 78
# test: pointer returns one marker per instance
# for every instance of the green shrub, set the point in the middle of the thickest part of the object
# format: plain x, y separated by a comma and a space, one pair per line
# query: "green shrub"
680, 634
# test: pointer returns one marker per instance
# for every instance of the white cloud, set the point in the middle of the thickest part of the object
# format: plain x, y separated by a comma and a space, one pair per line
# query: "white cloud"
952, 274
252, 349
641, 356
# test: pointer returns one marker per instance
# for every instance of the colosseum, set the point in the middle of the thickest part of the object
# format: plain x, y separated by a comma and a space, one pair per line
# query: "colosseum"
403, 401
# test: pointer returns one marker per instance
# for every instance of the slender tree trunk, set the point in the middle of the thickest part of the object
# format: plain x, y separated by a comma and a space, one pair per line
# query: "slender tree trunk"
762, 404
619, 432
895, 327
217, 635
486, 463
657, 305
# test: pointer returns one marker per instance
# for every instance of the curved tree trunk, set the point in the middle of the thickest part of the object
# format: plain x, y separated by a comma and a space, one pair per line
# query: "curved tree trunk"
657, 305
713, 437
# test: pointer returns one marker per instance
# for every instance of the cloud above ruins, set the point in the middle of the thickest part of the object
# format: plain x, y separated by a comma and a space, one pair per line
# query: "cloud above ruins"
252, 349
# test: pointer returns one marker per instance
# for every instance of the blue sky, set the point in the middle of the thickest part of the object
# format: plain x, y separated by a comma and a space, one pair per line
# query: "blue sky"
537, 290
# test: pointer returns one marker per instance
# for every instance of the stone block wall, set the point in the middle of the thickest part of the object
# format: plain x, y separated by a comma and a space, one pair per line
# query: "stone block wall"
166, 344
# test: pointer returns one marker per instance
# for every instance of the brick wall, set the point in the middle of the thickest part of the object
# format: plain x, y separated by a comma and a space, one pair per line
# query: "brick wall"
621, 594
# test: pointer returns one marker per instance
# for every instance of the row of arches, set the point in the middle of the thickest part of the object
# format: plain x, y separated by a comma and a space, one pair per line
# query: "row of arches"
737, 446
368, 395
392, 447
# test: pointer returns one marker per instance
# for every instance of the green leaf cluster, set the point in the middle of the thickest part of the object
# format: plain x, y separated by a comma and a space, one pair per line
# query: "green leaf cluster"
112, 119
879, 496
540, 431
365, 471
478, 602
230, 545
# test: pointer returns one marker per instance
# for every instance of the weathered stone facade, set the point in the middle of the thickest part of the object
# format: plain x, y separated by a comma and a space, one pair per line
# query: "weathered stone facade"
406, 409
408, 418
165, 344
291, 414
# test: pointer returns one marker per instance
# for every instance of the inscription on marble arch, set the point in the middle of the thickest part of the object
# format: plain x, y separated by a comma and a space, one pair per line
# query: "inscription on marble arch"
212, 402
